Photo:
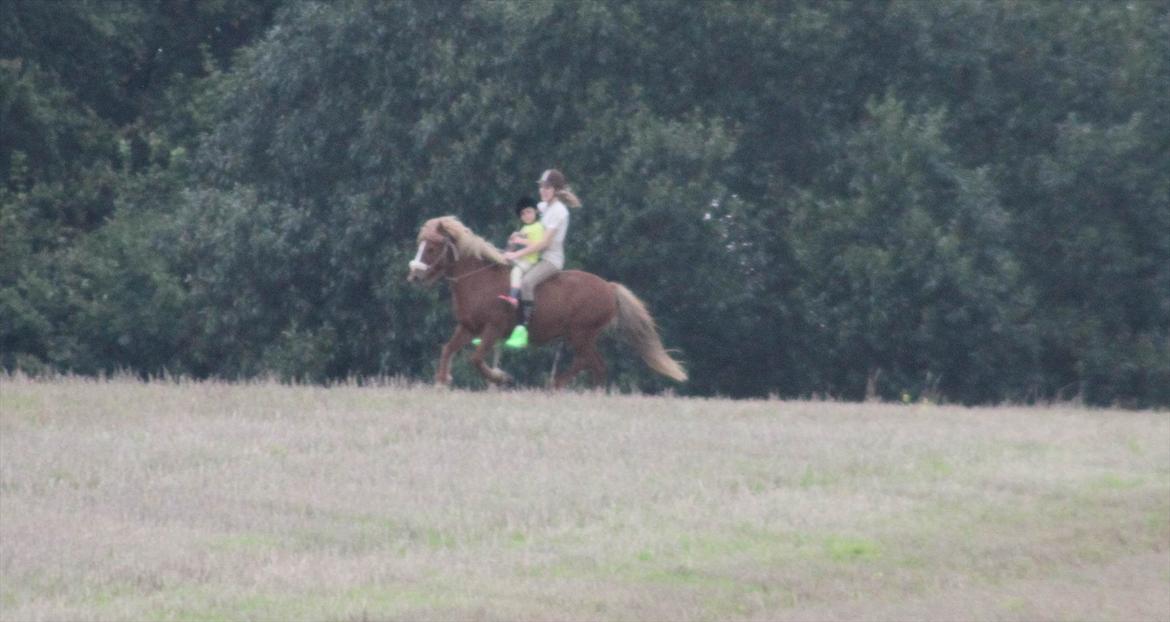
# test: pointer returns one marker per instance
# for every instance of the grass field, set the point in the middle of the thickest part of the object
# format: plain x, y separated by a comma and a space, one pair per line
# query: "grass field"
122, 500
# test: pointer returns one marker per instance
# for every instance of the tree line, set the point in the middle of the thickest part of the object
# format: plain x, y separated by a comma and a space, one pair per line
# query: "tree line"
962, 200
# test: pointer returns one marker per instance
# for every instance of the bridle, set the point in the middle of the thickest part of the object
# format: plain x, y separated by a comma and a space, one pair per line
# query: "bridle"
441, 265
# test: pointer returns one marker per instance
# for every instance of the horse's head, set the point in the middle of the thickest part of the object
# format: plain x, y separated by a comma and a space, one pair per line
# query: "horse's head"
437, 252
441, 243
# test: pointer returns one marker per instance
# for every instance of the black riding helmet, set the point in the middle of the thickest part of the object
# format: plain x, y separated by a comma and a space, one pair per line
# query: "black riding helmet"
524, 203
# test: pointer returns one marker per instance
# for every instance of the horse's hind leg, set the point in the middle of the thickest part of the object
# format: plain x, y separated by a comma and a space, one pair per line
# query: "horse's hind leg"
596, 367
585, 356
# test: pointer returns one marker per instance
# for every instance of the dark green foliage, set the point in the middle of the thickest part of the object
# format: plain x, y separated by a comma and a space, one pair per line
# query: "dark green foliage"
916, 250
965, 200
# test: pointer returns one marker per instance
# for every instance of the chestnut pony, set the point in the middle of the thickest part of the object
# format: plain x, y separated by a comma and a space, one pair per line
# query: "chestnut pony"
573, 305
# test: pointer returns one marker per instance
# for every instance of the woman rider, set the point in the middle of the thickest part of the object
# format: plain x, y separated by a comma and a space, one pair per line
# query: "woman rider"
555, 194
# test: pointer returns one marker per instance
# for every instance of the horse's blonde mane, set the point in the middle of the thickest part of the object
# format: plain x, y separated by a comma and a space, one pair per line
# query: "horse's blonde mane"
465, 239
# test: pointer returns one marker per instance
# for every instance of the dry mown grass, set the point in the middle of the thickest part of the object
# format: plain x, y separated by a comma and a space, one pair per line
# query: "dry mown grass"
202, 501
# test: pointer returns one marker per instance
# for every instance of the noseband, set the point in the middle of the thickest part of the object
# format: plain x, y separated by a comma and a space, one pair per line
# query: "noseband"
448, 248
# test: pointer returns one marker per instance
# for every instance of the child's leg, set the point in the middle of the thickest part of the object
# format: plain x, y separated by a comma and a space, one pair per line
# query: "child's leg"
513, 297
517, 274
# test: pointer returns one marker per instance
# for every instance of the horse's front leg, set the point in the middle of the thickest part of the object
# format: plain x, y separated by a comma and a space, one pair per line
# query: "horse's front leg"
478, 358
461, 338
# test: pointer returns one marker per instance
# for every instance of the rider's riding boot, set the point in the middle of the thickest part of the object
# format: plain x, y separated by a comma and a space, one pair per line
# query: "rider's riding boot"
519, 337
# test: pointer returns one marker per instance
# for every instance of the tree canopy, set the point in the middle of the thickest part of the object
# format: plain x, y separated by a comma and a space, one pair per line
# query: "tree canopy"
962, 200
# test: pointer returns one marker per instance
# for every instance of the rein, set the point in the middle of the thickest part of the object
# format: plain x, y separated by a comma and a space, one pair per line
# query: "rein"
456, 279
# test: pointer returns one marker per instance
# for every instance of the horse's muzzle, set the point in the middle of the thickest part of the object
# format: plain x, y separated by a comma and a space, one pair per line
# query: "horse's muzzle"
418, 269
418, 273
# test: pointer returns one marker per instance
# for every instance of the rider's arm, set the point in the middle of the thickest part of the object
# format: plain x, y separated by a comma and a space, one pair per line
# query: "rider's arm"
534, 247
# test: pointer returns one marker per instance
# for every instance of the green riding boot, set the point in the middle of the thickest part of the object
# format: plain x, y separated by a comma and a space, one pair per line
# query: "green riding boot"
519, 337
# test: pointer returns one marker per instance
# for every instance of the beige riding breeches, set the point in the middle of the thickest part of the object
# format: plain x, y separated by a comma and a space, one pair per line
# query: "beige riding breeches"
533, 277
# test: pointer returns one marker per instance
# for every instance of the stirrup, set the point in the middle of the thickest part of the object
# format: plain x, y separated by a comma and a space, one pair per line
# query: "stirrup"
510, 300
519, 338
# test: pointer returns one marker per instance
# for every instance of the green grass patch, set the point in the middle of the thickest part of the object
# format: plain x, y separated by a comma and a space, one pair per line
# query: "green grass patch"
812, 478
1113, 481
366, 602
935, 465
15, 404
747, 542
247, 543
437, 540
847, 549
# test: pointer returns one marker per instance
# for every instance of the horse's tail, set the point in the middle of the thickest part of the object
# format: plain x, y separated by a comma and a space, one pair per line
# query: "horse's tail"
639, 329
